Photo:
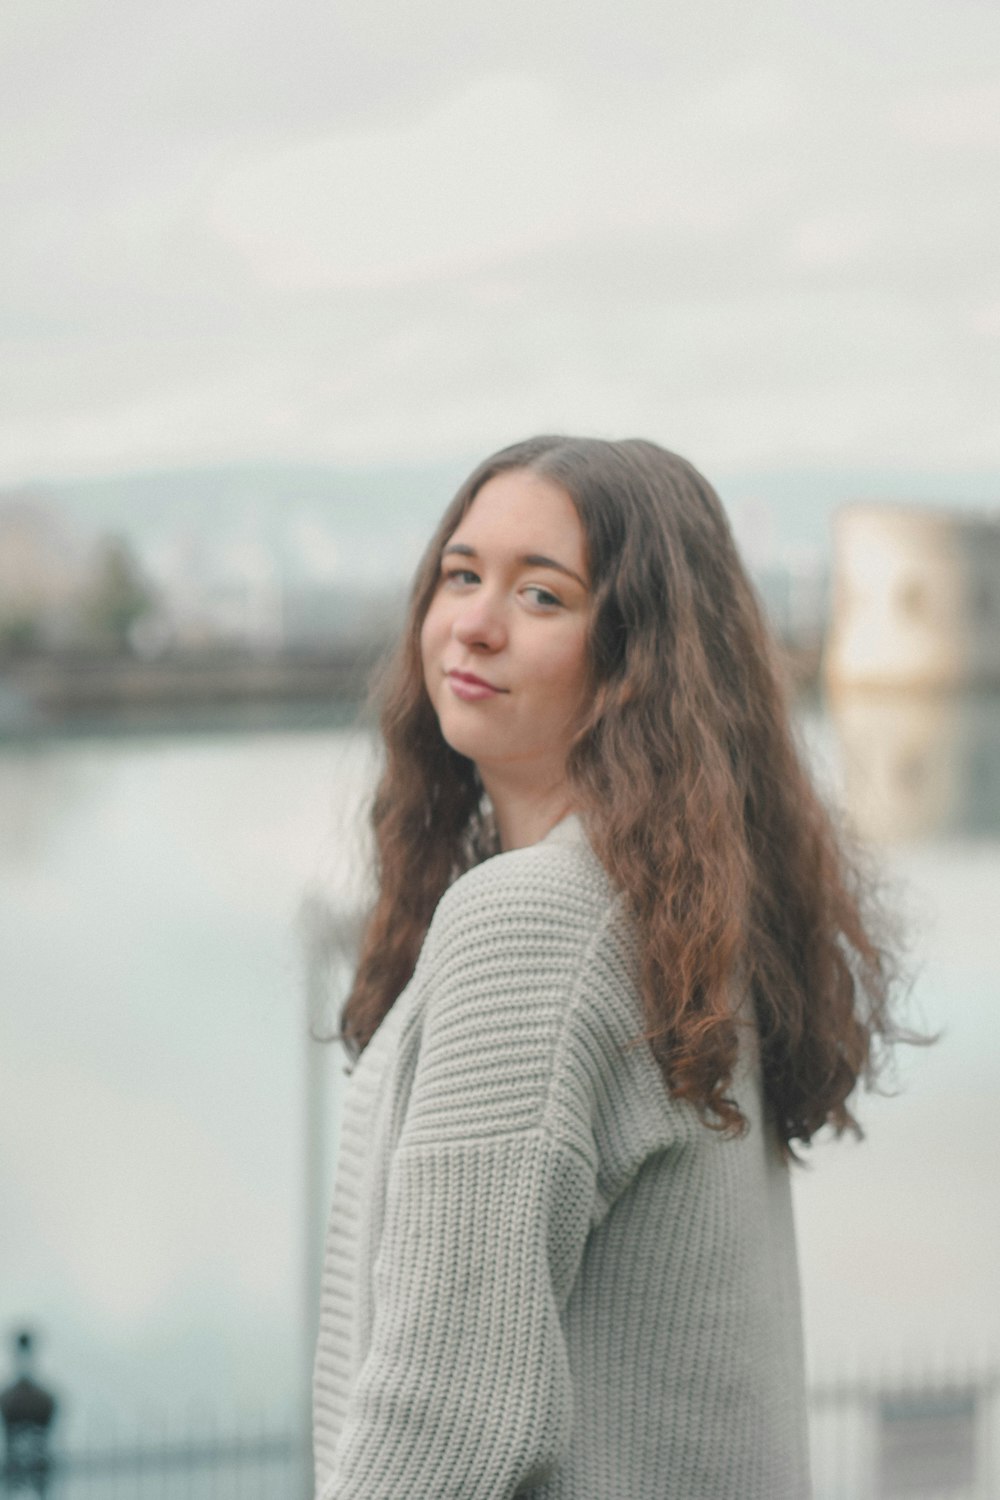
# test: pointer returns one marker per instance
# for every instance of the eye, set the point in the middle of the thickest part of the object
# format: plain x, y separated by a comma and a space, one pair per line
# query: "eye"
543, 597
459, 576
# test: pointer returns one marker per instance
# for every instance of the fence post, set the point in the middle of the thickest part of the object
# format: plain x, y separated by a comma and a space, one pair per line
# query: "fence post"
27, 1411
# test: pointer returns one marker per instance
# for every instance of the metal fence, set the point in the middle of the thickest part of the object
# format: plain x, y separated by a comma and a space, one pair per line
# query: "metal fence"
929, 1439
262, 1466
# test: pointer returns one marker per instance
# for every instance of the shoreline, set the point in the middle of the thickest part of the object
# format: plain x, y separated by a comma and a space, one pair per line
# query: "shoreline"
58, 690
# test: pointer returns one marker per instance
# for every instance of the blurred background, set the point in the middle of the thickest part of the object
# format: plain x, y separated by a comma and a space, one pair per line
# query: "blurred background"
272, 279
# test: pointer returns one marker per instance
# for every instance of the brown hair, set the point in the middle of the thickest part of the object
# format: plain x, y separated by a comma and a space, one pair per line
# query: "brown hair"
694, 794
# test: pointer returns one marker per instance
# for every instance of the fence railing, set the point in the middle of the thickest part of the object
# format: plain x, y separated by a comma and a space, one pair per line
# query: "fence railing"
273, 1466
878, 1439
928, 1438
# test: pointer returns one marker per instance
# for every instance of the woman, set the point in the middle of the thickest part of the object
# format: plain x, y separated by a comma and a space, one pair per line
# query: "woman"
617, 967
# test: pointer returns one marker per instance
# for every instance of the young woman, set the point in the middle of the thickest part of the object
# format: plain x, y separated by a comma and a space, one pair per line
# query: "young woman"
619, 964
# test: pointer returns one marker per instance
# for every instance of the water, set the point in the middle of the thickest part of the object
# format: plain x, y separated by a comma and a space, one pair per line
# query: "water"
159, 1223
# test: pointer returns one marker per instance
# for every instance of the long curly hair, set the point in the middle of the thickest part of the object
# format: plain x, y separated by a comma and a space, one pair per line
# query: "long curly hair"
687, 776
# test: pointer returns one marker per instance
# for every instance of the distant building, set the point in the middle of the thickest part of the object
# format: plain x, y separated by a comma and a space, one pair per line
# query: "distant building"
794, 593
216, 596
43, 569
916, 598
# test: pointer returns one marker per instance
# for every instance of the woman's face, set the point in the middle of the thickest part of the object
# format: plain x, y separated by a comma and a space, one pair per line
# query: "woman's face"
503, 643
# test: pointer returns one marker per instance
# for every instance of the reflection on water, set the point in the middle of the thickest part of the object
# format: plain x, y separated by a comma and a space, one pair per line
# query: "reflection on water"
919, 765
38, 794
154, 1049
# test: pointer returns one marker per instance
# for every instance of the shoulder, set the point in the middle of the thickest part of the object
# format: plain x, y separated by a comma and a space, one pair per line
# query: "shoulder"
518, 927
556, 888
526, 933
520, 1006
530, 1009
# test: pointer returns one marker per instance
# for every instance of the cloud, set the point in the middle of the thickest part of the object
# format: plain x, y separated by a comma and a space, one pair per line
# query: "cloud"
507, 166
964, 117
403, 234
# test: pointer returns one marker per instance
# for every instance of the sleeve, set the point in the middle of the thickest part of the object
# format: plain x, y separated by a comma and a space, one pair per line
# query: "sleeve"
465, 1392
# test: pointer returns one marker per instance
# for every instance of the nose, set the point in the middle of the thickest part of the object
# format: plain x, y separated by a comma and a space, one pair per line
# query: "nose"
478, 623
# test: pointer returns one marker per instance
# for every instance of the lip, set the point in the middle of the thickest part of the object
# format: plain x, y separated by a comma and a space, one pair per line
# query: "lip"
466, 685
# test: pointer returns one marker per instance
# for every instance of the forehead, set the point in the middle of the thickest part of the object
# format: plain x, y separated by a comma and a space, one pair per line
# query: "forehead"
523, 512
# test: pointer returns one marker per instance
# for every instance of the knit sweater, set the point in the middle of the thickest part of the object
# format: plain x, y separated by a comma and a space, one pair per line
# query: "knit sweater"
543, 1276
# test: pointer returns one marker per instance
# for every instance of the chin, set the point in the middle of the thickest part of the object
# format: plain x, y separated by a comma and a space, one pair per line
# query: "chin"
472, 746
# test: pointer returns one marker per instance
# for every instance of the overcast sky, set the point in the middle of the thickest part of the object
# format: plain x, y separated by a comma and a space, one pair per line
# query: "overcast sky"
361, 232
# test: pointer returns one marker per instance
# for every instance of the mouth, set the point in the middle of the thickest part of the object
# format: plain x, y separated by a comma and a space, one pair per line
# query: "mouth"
470, 688
471, 677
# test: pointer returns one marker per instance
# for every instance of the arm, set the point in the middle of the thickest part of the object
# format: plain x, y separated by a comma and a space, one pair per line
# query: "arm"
465, 1393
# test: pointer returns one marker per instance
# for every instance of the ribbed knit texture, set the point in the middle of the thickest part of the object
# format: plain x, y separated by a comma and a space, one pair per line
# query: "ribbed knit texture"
543, 1276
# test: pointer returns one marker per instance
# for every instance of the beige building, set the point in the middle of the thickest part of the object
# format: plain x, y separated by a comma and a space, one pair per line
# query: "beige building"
43, 565
916, 598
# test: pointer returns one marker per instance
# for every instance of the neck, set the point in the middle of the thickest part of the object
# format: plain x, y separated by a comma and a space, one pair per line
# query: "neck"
526, 814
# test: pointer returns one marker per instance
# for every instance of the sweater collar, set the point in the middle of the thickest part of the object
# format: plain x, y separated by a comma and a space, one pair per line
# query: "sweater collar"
569, 830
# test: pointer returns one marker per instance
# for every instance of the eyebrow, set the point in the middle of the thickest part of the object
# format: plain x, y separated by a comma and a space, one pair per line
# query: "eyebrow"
527, 560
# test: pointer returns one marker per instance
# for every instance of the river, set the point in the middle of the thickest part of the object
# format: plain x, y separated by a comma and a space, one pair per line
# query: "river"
159, 1226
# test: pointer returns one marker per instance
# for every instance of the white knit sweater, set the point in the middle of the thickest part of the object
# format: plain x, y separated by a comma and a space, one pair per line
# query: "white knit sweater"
543, 1276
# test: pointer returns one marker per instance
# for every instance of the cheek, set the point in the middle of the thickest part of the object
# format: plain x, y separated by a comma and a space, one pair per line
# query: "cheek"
567, 673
